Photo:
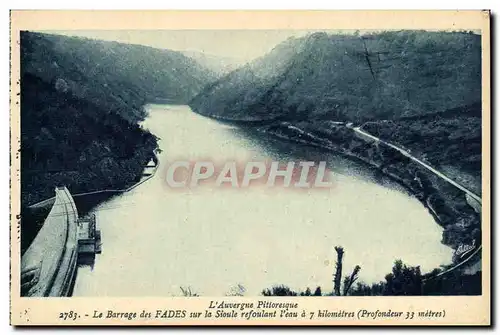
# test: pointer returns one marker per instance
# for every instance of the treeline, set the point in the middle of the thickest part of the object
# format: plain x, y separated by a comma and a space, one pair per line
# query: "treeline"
403, 280
397, 284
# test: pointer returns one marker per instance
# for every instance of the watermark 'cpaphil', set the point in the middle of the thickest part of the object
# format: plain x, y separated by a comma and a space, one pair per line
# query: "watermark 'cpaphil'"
304, 174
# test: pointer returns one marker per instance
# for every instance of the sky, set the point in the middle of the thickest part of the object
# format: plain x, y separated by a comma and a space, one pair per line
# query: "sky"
238, 45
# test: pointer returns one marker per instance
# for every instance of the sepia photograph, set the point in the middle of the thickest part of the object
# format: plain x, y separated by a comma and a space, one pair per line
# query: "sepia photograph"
250, 168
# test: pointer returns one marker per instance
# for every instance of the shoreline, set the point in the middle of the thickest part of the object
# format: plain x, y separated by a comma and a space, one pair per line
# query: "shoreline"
400, 180
427, 193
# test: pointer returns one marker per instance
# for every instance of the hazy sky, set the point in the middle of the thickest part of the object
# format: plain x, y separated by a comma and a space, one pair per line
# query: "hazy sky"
242, 45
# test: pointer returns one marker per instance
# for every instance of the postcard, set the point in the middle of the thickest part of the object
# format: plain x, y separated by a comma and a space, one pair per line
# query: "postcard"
250, 168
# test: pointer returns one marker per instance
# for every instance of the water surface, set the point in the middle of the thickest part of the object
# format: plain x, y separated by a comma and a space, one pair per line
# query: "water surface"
156, 240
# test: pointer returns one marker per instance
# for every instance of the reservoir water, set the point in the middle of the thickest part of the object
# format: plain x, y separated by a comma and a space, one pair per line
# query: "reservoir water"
208, 239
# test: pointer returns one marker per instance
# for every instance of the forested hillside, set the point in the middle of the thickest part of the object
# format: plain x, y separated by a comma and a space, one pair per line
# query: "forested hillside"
417, 89
81, 100
449, 140
350, 77
116, 77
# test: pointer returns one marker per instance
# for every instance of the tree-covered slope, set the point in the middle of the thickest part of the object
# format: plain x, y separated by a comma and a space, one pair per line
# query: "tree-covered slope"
349, 77
73, 142
115, 76
81, 100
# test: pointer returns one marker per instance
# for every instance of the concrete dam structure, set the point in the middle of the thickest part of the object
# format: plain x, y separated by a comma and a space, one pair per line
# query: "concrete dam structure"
48, 267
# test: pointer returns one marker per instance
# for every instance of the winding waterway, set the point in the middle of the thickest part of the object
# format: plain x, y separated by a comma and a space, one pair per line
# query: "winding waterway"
157, 240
